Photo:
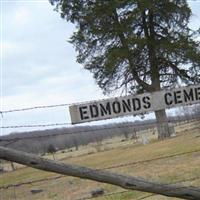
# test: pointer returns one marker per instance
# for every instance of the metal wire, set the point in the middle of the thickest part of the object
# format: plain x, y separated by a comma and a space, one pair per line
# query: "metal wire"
49, 106
73, 132
197, 116
105, 195
144, 126
112, 167
148, 126
144, 197
35, 107
150, 160
31, 182
35, 125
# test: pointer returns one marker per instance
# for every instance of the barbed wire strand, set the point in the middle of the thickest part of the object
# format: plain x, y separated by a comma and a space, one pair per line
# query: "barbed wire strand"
145, 126
51, 106
58, 105
111, 167
181, 181
73, 132
58, 134
144, 197
104, 195
31, 182
122, 164
61, 176
150, 160
61, 124
108, 194
35, 125
13, 140
34, 108
197, 116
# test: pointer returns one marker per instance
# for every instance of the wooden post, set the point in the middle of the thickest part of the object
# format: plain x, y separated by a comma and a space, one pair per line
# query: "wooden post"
127, 182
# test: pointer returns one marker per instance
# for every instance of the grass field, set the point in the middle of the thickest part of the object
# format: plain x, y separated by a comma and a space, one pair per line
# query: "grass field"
113, 152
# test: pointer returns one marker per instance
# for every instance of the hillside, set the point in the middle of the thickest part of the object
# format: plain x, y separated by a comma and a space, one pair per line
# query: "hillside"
39, 141
174, 160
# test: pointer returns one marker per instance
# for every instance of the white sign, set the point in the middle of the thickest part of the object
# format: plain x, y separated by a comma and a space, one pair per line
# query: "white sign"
134, 104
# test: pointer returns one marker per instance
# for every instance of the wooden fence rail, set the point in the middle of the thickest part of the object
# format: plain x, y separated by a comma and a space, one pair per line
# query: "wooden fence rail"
127, 182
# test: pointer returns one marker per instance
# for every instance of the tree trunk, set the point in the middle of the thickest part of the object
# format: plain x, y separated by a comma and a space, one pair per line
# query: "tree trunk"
162, 124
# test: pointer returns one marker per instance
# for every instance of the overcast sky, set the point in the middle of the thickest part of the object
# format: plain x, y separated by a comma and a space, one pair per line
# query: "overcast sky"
38, 65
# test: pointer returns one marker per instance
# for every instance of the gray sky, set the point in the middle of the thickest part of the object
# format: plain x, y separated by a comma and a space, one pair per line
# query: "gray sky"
38, 65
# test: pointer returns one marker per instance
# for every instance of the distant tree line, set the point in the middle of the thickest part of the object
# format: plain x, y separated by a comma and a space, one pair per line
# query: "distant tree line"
44, 141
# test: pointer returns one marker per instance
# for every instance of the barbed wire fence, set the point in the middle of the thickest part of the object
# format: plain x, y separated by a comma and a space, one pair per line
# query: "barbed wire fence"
111, 167
10, 141
140, 198
3, 112
136, 126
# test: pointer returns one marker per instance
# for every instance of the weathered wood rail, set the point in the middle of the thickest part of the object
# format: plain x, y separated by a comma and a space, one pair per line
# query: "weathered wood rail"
127, 182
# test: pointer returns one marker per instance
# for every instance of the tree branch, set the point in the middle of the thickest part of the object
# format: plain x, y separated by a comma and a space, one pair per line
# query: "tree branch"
127, 182
122, 38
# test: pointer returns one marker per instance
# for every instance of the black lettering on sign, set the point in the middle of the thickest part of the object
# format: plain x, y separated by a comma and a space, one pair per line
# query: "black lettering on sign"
105, 109
116, 107
177, 97
168, 98
83, 112
94, 111
136, 104
146, 101
126, 104
197, 93
188, 96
